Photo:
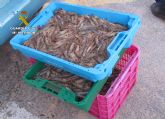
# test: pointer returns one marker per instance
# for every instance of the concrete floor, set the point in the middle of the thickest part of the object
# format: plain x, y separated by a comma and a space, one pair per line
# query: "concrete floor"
146, 101
96, 2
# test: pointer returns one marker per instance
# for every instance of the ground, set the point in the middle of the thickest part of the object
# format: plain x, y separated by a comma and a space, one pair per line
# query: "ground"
146, 100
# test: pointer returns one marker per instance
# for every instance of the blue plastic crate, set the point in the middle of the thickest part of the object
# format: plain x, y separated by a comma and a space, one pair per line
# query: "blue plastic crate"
9, 12
100, 71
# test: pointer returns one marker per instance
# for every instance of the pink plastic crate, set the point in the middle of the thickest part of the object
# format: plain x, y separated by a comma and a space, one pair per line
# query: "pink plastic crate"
31, 60
106, 106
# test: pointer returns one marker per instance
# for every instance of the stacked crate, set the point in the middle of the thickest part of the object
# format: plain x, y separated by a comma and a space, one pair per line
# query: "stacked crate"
104, 106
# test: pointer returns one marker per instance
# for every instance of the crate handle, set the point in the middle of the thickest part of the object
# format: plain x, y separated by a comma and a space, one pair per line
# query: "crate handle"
58, 90
52, 88
117, 45
35, 20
